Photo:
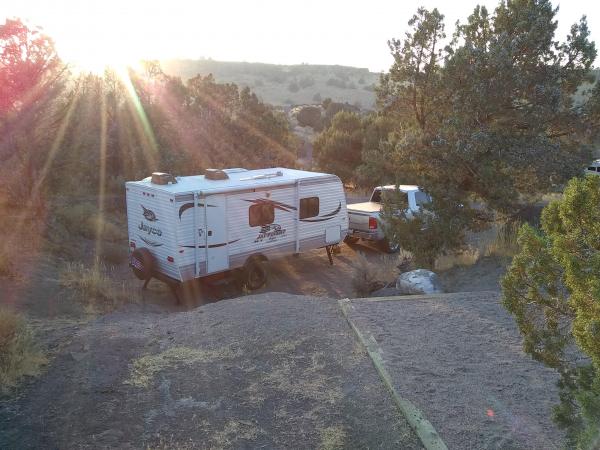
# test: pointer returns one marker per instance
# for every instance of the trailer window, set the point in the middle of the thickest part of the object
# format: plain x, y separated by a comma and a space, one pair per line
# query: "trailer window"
309, 207
261, 214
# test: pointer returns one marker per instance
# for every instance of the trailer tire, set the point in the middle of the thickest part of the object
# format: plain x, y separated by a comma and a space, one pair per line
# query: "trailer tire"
255, 274
142, 263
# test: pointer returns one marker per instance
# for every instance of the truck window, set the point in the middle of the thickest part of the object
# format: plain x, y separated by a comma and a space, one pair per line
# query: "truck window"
261, 214
421, 198
376, 197
309, 207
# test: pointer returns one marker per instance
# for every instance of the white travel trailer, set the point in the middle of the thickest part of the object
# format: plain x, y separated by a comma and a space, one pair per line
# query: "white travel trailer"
181, 228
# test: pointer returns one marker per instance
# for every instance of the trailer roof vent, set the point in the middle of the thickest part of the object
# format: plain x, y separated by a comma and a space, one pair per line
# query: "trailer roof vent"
215, 174
162, 178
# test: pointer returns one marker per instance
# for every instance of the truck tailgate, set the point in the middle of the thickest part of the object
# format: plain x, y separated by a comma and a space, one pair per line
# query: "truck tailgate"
359, 214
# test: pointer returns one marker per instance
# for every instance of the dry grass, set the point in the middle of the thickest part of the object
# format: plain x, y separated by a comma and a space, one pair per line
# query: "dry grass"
465, 258
332, 438
95, 286
6, 267
368, 276
145, 368
303, 379
234, 431
500, 241
84, 219
505, 243
19, 355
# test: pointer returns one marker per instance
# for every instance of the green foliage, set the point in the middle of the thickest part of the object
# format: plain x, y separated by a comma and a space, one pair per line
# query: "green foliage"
424, 234
348, 141
553, 290
338, 149
475, 120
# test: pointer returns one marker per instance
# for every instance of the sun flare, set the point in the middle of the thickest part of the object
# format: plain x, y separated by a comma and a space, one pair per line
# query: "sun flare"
105, 55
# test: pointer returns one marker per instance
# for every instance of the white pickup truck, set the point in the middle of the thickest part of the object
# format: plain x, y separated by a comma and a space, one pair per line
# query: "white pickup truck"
365, 218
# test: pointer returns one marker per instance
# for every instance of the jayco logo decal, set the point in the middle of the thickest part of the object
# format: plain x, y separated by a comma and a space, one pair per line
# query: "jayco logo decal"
149, 214
270, 233
150, 230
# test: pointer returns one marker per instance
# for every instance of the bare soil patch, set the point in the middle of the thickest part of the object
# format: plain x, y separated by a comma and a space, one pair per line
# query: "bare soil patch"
264, 371
458, 358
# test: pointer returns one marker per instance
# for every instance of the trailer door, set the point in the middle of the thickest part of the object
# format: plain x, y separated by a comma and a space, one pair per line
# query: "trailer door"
217, 252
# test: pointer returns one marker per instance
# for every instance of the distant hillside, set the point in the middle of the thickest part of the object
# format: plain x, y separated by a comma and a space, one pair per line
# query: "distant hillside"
286, 85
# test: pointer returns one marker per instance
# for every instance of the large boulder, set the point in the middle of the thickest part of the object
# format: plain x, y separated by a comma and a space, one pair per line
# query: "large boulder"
420, 281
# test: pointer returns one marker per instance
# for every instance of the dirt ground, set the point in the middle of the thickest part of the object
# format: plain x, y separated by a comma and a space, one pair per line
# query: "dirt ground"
266, 371
459, 359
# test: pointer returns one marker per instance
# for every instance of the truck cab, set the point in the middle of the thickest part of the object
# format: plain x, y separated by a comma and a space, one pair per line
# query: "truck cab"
365, 218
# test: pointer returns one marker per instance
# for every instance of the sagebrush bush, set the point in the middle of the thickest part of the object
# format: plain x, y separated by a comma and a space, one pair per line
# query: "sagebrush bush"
464, 258
96, 287
19, 355
83, 219
369, 276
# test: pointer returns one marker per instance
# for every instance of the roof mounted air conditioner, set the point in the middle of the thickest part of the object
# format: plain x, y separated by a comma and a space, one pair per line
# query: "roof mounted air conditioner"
215, 174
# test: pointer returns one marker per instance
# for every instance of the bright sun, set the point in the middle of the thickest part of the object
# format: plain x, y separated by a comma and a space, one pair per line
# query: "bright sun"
103, 55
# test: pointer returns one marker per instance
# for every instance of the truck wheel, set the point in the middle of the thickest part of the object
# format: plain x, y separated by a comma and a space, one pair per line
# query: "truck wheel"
350, 239
255, 274
389, 247
142, 263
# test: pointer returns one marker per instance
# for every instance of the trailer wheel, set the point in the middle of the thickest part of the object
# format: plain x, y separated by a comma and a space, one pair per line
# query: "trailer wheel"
142, 263
350, 239
255, 274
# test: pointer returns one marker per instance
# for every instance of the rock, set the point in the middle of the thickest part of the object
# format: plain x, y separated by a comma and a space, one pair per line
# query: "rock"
420, 281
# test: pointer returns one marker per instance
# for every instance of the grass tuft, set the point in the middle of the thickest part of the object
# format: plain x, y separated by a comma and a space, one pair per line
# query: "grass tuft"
145, 368
464, 258
505, 243
369, 275
332, 438
96, 287
19, 355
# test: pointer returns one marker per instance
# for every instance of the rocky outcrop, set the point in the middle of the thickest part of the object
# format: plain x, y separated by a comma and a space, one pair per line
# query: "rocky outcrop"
420, 281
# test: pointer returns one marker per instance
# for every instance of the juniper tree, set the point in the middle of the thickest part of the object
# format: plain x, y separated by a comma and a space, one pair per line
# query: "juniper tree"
553, 290
488, 120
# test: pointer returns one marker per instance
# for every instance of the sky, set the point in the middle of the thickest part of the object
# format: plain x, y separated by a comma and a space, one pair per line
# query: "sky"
345, 32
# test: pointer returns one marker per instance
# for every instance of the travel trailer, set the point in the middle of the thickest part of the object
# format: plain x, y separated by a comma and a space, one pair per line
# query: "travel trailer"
182, 228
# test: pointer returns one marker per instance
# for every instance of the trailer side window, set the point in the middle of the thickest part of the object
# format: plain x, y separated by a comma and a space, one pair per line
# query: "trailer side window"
261, 214
309, 207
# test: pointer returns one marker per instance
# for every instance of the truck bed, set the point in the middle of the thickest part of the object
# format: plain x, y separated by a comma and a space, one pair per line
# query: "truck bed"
365, 207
